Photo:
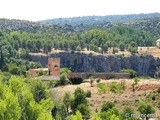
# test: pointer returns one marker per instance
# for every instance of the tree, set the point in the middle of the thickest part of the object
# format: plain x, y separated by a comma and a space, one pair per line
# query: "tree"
122, 46
38, 91
146, 109
107, 106
2, 62
63, 79
79, 102
67, 100
91, 82
127, 111
130, 71
136, 80
78, 116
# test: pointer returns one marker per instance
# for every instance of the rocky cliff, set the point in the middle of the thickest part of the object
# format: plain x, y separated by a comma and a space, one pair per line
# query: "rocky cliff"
79, 62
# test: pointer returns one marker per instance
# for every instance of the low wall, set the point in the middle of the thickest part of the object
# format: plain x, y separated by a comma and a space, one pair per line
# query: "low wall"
99, 75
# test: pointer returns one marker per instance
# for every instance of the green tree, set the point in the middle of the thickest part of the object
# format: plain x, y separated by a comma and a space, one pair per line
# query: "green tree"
79, 102
107, 106
67, 100
146, 109
78, 116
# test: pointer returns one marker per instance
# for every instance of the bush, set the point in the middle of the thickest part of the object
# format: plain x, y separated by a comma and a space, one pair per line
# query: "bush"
98, 80
136, 80
102, 87
115, 87
88, 93
107, 106
145, 108
158, 90
63, 79
84, 109
130, 71
38, 91
41, 72
79, 98
127, 111
91, 82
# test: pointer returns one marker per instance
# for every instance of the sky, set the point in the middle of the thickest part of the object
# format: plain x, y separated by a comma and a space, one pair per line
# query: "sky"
35, 10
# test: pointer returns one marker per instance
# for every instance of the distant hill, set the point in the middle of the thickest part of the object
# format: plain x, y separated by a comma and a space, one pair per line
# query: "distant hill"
8, 25
147, 22
90, 20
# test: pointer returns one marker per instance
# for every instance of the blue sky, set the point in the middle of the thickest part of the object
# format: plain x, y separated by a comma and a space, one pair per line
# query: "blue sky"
35, 10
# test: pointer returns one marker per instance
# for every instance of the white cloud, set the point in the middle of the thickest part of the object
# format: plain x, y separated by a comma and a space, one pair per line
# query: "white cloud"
45, 9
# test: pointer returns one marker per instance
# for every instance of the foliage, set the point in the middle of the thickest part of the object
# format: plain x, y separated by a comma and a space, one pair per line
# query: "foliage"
63, 79
41, 72
106, 106
79, 102
130, 71
91, 82
145, 108
98, 80
88, 93
67, 100
136, 80
102, 87
115, 87
17, 101
127, 112
39, 91
78, 116
158, 90
64, 71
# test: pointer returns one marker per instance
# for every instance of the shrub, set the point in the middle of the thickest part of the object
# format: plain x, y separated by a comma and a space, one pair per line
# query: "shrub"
146, 109
107, 106
102, 87
63, 79
158, 90
127, 111
79, 98
115, 87
88, 93
91, 82
38, 91
67, 100
41, 72
84, 109
136, 80
130, 71
98, 80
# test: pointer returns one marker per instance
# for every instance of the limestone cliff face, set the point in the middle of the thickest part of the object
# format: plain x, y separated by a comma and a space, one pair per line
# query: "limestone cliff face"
78, 62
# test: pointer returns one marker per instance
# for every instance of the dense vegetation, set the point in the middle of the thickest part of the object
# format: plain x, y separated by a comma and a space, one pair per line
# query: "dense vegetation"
24, 99
91, 20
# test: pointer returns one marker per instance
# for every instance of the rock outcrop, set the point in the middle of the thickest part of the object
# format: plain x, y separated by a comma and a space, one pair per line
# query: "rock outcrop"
79, 62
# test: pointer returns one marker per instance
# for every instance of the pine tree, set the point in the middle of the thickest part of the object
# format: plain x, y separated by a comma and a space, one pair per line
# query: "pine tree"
1, 60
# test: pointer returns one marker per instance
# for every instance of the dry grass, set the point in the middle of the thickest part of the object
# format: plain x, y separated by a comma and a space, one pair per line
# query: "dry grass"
127, 98
155, 51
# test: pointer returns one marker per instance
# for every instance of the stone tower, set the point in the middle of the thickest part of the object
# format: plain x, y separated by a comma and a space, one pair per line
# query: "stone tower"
54, 66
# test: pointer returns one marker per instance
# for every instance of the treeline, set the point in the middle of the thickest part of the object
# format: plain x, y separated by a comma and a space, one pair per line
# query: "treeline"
120, 37
15, 46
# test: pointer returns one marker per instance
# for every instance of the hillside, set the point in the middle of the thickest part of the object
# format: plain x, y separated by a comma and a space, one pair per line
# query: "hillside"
91, 20
145, 90
8, 25
146, 22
